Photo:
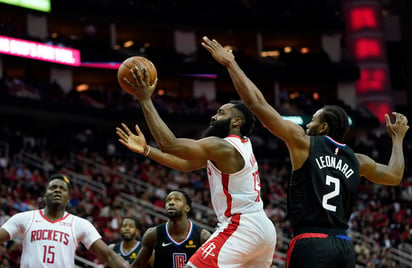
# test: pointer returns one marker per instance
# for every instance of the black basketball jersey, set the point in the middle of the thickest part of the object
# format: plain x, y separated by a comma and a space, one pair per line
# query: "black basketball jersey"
128, 256
322, 192
174, 254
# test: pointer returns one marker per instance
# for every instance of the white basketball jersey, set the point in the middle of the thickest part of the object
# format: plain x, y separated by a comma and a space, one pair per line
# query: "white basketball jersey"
236, 193
49, 243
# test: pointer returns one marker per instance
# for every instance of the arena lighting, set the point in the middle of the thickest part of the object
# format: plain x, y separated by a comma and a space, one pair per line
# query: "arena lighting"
40, 5
304, 50
367, 47
210, 76
300, 121
82, 87
101, 65
379, 108
128, 43
270, 53
372, 80
365, 41
287, 49
39, 51
161, 92
295, 119
363, 18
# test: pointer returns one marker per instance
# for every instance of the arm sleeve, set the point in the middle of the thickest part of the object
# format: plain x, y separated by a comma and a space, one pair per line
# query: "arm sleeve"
86, 232
18, 223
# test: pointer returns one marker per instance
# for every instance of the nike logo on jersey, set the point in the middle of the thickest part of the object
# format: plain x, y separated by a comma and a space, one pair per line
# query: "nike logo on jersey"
166, 244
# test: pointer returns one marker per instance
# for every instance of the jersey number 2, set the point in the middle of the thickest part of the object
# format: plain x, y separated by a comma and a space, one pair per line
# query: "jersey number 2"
335, 192
48, 254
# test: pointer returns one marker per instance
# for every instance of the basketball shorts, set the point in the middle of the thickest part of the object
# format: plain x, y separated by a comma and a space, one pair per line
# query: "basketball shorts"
243, 240
321, 251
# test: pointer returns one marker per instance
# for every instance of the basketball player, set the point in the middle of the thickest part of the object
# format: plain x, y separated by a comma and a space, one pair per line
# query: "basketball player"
50, 236
245, 236
326, 172
174, 242
129, 245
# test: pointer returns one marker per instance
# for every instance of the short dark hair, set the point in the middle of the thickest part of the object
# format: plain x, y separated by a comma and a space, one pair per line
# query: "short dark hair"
62, 177
248, 117
134, 219
338, 121
188, 199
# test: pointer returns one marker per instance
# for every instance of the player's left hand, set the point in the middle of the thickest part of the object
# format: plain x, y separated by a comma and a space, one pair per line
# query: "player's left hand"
136, 143
399, 127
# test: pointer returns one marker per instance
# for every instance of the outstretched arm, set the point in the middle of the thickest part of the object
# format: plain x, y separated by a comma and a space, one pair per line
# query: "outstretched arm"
251, 95
210, 148
138, 144
392, 173
291, 133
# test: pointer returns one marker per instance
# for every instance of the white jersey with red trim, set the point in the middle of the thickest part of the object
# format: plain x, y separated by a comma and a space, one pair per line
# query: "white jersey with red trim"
49, 243
239, 192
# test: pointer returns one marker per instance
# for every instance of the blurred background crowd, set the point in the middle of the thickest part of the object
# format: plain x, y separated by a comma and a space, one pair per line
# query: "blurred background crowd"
59, 118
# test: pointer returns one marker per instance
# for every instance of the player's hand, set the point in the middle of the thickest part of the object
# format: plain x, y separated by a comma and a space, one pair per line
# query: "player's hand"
222, 55
399, 127
141, 84
136, 143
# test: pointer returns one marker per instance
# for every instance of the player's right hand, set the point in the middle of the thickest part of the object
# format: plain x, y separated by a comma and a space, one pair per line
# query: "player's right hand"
222, 55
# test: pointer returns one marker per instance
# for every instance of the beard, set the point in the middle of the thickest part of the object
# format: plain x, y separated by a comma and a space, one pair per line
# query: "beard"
127, 237
218, 128
174, 214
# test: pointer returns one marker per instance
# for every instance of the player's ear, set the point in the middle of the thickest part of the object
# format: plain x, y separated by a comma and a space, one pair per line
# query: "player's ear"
187, 208
236, 121
324, 128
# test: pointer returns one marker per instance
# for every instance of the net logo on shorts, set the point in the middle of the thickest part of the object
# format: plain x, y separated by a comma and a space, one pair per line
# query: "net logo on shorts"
208, 250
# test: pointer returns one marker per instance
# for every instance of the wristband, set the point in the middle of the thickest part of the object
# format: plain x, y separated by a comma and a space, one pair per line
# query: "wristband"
147, 150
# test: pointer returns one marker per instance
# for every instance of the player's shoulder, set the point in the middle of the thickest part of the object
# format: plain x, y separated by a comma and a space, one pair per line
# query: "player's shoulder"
26, 214
79, 220
198, 227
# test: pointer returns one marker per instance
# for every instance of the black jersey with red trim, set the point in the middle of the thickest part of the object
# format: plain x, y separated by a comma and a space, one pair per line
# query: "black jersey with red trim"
322, 192
175, 254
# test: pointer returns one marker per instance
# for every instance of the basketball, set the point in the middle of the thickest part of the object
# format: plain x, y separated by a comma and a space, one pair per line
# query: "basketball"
130, 63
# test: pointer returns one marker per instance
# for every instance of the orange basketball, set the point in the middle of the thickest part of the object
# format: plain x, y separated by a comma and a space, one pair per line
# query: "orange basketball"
130, 63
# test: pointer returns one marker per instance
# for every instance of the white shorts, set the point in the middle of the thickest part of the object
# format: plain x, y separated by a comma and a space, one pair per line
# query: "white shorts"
243, 240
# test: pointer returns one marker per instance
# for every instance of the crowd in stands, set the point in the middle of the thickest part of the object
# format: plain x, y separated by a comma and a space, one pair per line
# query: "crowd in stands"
383, 214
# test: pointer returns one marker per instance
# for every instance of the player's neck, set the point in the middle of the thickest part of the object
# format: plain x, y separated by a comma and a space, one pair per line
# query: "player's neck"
53, 214
178, 226
129, 245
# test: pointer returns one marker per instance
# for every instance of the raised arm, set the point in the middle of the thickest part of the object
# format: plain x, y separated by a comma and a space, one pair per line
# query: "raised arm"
252, 96
292, 134
392, 173
210, 148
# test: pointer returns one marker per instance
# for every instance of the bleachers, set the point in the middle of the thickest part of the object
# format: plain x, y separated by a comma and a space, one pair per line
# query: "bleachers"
121, 178
401, 255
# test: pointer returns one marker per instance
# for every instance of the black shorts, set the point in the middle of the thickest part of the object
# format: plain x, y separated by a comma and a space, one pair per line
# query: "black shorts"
321, 251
